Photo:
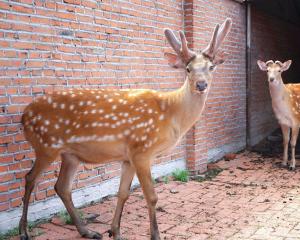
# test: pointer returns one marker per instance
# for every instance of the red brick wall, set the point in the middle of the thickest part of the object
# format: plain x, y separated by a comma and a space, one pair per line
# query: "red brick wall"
118, 44
222, 126
272, 39
61, 44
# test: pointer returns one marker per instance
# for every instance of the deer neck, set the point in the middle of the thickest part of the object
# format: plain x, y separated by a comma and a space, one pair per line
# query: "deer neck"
278, 91
186, 107
280, 103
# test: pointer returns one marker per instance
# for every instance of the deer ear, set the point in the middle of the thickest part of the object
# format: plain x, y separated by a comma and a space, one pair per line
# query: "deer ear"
174, 61
262, 65
286, 65
220, 57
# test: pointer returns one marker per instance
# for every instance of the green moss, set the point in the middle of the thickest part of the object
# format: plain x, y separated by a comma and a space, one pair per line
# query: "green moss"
180, 175
166, 179
66, 218
9, 234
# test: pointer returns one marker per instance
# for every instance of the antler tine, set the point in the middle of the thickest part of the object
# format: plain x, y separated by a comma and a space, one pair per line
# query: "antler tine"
223, 31
186, 52
173, 41
280, 63
268, 62
210, 48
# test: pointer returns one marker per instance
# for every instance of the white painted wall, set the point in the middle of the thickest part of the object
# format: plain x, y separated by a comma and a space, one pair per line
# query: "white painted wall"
45, 209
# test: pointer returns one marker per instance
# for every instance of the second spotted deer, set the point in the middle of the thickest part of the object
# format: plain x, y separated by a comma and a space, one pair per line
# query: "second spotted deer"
285, 103
131, 126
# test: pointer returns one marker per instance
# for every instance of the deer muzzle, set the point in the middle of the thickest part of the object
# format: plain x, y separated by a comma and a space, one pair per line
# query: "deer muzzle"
201, 86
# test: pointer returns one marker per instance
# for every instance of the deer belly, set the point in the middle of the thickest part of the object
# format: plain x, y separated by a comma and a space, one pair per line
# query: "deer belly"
95, 152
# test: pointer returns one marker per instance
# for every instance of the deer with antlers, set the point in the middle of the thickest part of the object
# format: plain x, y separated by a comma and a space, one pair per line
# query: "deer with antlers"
285, 103
131, 126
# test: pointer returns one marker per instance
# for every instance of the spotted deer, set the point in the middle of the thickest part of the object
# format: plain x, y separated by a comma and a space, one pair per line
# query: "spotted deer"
285, 103
131, 126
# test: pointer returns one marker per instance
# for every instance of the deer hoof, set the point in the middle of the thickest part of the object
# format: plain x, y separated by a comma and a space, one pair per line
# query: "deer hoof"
291, 168
114, 235
110, 233
25, 237
92, 235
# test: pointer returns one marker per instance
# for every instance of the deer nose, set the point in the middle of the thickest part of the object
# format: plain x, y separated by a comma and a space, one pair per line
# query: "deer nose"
272, 79
201, 86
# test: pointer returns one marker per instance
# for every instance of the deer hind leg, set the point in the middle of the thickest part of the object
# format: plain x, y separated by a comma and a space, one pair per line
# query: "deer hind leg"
295, 132
40, 164
286, 138
128, 172
143, 172
63, 187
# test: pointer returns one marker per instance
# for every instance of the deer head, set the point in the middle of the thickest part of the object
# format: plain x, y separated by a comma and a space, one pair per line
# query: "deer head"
199, 67
274, 69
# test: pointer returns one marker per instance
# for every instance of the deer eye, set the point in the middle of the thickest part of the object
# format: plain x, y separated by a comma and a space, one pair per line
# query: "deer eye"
212, 67
188, 69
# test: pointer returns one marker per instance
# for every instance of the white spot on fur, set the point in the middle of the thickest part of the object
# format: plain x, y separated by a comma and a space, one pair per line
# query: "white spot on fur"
62, 106
120, 135
126, 132
49, 100
150, 121
143, 138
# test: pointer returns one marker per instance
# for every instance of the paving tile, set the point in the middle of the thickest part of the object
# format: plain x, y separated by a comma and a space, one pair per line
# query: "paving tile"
252, 198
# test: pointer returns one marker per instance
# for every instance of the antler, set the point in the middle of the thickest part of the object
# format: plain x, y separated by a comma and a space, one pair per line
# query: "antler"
181, 49
269, 62
217, 38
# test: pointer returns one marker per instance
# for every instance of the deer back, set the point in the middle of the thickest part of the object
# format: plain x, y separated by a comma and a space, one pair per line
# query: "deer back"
136, 117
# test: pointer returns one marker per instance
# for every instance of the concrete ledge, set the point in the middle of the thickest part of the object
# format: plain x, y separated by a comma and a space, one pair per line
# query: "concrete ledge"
45, 209
217, 153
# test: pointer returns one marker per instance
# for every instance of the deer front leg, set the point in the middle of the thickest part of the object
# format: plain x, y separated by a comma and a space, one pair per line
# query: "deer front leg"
128, 172
286, 137
144, 175
295, 132
63, 187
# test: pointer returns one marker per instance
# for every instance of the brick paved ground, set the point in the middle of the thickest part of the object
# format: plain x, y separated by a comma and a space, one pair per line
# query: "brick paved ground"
253, 198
